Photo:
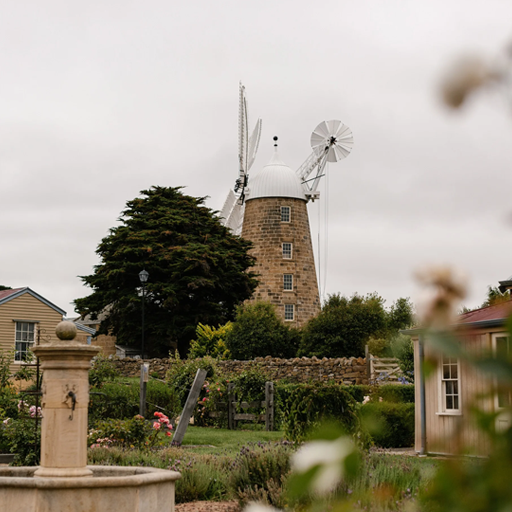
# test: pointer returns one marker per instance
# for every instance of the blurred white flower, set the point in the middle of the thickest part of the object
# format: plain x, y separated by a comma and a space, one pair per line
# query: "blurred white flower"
366, 399
443, 289
329, 455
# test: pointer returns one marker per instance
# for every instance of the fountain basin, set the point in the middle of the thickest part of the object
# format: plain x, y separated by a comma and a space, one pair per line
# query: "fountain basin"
126, 488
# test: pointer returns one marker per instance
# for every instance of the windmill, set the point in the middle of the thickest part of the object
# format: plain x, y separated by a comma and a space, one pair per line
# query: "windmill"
270, 210
232, 212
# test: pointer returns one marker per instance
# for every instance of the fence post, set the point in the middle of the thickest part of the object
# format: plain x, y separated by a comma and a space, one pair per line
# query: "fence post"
269, 406
144, 377
231, 407
368, 363
190, 405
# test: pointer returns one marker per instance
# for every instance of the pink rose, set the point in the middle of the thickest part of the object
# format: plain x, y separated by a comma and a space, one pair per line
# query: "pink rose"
156, 425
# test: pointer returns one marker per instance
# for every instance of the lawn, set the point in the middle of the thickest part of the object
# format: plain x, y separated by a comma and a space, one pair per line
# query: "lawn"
221, 440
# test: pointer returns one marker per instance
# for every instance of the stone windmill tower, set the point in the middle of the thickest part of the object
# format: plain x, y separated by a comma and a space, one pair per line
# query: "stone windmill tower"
270, 210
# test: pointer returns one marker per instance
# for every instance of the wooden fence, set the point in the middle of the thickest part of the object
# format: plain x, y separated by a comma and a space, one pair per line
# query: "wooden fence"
232, 408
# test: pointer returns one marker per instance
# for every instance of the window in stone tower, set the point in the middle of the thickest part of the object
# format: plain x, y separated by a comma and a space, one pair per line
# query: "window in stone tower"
289, 311
287, 250
288, 282
285, 213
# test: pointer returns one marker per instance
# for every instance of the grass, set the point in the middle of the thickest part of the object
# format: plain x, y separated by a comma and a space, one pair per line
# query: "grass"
222, 441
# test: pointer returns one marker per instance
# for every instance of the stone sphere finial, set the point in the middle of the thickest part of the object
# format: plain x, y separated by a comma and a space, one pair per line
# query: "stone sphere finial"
66, 331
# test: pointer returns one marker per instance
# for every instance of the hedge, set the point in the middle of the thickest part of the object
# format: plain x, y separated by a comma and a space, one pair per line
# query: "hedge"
300, 407
121, 400
398, 393
391, 425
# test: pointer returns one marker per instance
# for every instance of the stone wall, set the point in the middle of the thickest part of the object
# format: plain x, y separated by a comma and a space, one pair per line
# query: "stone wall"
342, 370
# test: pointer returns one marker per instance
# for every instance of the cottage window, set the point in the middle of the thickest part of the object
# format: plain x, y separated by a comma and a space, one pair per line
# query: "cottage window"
501, 347
285, 213
450, 385
288, 282
24, 338
289, 312
287, 250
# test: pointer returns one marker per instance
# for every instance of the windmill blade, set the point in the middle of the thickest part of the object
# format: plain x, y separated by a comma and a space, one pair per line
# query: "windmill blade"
254, 142
334, 136
242, 130
232, 213
228, 206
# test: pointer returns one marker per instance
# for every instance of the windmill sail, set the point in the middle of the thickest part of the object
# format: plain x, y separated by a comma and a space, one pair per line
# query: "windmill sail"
232, 214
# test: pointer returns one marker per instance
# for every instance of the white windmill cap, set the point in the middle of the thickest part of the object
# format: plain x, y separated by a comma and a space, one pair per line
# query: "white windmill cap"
276, 179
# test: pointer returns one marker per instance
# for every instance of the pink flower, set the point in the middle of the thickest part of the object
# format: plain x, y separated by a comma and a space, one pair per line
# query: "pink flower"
204, 399
156, 425
218, 389
168, 434
158, 414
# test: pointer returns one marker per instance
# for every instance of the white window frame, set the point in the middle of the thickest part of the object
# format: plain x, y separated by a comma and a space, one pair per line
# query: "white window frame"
286, 217
449, 386
497, 397
25, 333
288, 282
287, 309
285, 252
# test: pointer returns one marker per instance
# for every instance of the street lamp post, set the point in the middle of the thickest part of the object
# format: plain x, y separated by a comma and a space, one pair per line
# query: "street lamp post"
143, 276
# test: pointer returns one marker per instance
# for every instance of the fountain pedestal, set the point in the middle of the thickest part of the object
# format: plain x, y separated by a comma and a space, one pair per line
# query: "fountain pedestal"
64, 482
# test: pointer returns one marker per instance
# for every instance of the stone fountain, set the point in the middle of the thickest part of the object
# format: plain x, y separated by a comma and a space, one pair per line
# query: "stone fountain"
63, 481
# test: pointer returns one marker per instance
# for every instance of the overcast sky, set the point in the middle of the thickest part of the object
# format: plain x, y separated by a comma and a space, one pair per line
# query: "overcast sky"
102, 99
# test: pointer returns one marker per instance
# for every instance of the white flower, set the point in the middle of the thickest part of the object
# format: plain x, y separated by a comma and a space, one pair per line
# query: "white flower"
329, 455
366, 399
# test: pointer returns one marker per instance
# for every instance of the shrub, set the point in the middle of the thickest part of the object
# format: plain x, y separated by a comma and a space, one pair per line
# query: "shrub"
24, 441
121, 400
259, 473
181, 374
403, 349
203, 477
259, 332
102, 370
391, 425
303, 406
210, 342
114, 432
343, 326
397, 393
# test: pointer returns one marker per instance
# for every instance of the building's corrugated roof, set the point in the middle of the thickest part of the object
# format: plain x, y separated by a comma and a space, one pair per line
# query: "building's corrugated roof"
276, 179
496, 312
4, 294
7, 295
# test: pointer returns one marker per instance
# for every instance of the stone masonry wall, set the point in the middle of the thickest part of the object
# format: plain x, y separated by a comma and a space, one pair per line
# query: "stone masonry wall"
263, 226
341, 370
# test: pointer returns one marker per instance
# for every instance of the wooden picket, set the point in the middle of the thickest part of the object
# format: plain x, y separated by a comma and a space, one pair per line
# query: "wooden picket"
232, 406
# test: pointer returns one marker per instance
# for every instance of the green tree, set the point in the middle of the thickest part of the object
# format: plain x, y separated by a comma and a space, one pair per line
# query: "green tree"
400, 315
198, 271
2, 287
494, 296
258, 332
344, 326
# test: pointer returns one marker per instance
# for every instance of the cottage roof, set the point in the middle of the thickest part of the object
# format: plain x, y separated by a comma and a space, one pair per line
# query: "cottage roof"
276, 179
8, 295
499, 311
490, 316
